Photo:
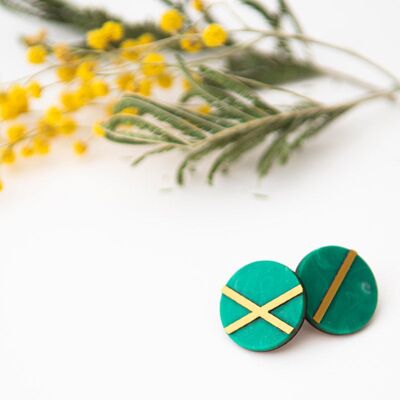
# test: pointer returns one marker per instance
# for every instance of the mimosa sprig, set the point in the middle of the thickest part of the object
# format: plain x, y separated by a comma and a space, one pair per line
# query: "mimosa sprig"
223, 74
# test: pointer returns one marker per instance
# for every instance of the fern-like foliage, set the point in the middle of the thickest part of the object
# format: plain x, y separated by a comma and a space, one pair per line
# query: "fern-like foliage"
281, 65
77, 17
241, 121
272, 68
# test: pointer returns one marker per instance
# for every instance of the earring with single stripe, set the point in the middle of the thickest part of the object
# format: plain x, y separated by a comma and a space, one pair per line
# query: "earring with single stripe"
341, 290
262, 306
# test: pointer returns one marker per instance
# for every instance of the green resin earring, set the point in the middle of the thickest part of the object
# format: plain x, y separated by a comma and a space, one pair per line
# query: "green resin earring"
341, 290
262, 306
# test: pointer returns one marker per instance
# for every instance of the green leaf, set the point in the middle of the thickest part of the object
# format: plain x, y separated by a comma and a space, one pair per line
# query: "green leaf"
231, 134
233, 84
161, 112
270, 68
140, 124
223, 101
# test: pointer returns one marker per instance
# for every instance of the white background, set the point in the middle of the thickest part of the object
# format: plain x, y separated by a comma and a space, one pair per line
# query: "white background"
110, 284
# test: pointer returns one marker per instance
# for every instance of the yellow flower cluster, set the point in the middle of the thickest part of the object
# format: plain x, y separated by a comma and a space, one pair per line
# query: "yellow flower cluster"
80, 147
153, 64
113, 65
191, 42
83, 80
172, 21
198, 5
37, 38
15, 100
213, 35
204, 109
36, 54
132, 48
101, 38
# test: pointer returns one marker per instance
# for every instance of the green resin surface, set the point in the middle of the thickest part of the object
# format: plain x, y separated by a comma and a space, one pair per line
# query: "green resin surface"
261, 282
356, 298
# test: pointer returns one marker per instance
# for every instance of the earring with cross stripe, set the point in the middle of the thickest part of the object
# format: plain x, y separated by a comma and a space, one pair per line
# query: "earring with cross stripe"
262, 306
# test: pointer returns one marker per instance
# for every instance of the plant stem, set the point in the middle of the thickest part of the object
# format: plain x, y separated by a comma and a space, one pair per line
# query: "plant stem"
249, 126
227, 51
308, 39
343, 76
274, 87
373, 96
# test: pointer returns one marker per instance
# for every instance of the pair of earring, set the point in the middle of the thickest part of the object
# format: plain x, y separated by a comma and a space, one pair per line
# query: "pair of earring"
264, 304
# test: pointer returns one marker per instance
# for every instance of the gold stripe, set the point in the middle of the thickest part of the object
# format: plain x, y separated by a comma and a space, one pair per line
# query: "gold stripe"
241, 322
278, 323
284, 298
335, 285
260, 312
243, 301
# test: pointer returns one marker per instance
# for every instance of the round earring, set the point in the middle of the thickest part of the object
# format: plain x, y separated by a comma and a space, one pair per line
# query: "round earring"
262, 306
342, 293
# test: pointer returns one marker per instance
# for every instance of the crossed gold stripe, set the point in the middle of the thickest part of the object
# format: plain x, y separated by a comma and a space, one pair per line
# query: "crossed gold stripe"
260, 312
335, 285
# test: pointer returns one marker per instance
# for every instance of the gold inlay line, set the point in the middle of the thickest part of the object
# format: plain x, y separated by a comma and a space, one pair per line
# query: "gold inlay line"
260, 312
335, 285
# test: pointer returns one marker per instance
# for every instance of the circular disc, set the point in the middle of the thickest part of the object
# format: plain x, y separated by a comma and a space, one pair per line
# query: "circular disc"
341, 290
262, 306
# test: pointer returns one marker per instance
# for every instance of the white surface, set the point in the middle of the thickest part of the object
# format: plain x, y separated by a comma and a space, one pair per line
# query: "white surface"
110, 286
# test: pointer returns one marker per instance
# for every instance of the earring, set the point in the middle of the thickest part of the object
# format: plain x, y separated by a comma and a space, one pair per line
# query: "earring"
342, 294
262, 306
